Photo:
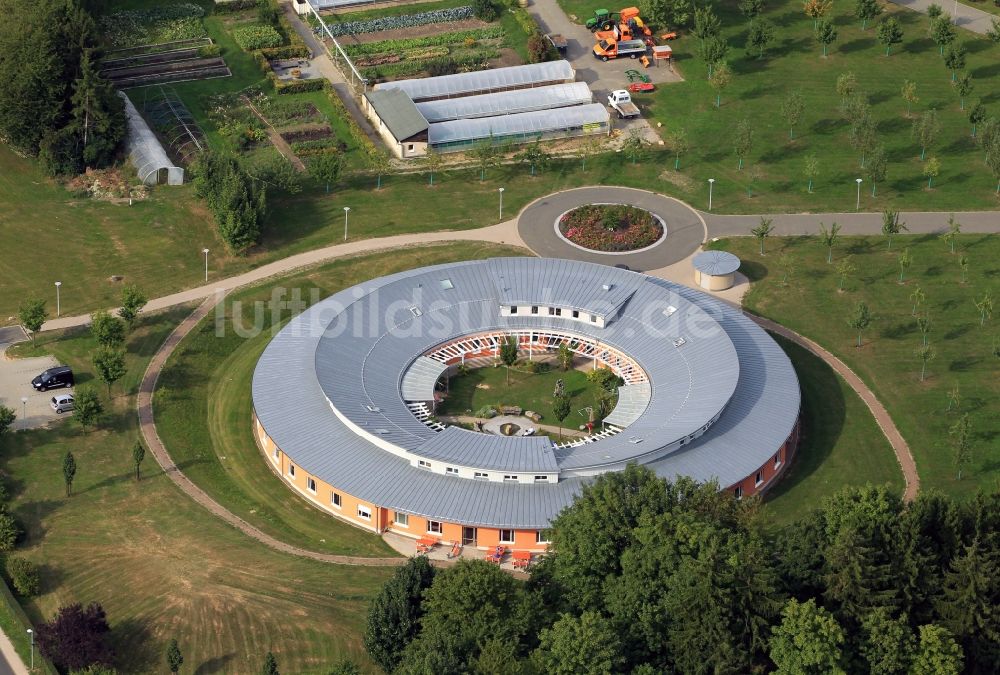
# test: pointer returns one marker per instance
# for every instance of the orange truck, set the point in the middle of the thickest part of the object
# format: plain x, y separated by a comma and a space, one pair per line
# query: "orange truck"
612, 49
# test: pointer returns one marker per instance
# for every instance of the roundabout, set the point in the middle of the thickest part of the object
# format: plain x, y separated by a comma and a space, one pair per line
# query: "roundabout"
684, 230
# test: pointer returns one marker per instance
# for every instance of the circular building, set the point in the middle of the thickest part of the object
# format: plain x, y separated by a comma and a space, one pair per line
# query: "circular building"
344, 396
715, 270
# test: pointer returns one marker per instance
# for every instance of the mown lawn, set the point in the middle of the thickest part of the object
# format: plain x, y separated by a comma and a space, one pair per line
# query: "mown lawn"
840, 443
160, 565
530, 391
963, 350
203, 405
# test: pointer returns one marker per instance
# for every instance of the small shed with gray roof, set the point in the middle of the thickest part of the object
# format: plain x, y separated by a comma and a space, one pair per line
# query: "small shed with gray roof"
715, 270
397, 120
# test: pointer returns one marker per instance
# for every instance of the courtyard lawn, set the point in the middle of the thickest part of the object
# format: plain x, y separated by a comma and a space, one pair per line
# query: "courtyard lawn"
488, 386
964, 353
840, 445
203, 405
160, 565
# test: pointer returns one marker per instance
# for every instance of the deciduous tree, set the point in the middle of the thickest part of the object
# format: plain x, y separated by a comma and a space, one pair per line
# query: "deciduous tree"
925, 353
108, 330
432, 162
76, 637
751, 9
535, 156
960, 434
133, 300
942, 32
326, 168
138, 454
681, 145
909, 94
762, 231
87, 407
561, 410
587, 645
173, 656
925, 130
877, 165
706, 23
890, 33
891, 226
634, 146
7, 418
847, 85
888, 642
977, 115
954, 229
743, 141
721, 78
963, 87
917, 297
963, 264
954, 59
712, 51
816, 9
985, 307
69, 472
760, 35
924, 326
826, 34
109, 362
905, 260
380, 163
808, 640
867, 10
860, 319
792, 107
829, 238
32, 314
937, 653
394, 613
845, 268
811, 170
932, 167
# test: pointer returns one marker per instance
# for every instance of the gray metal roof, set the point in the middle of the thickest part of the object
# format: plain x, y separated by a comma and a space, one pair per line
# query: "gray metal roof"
494, 79
397, 112
716, 262
420, 379
727, 369
462, 447
600, 291
508, 102
632, 402
529, 123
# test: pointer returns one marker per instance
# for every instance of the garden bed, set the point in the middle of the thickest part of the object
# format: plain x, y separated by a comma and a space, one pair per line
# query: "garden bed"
611, 228
169, 23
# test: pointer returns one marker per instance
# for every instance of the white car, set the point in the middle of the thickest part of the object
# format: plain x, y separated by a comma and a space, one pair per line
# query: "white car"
62, 403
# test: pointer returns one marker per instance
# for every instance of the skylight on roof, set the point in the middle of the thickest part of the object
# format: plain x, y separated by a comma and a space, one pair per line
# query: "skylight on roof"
446, 284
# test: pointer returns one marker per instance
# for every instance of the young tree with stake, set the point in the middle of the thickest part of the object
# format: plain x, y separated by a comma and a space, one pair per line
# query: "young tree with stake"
109, 362
905, 260
174, 657
87, 407
890, 33
985, 307
845, 268
826, 34
931, 170
69, 472
963, 263
954, 229
380, 164
721, 78
963, 87
138, 454
942, 32
847, 84
954, 59
961, 443
681, 145
860, 320
133, 300
31, 314
763, 231
761, 35
751, 9
508, 354
829, 238
326, 169
892, 225
917, 297
925, 130
743, 141
713, 52
909, 94
877, 166
867, 10
925, 353
924, 326
792, 107
561, 410
977, 115
811, 170
816, 9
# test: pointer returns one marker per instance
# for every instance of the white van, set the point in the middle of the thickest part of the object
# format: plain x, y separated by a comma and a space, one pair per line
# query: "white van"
62, 403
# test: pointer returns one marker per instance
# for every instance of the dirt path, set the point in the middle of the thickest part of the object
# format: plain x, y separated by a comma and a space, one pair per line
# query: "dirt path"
148, 427
881, 415
277, 141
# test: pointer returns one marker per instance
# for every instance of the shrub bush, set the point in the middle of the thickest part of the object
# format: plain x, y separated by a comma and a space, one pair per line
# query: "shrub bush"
9, 530
23, 576
256, 37
230, 6
484, 10
282, 87
525, 21
538, 48
209, 51
610, 227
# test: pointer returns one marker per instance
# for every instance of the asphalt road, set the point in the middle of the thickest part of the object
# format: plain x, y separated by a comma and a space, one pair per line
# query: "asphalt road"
685, 231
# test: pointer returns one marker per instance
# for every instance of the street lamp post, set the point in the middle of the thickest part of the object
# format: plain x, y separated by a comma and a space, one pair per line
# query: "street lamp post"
711, 183
857, 206
24, 412
347, 209
500, 190
58, 306
954, 12
205, 251
31, 634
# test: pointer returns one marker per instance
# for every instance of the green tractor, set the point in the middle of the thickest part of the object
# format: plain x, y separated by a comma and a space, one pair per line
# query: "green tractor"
600, 21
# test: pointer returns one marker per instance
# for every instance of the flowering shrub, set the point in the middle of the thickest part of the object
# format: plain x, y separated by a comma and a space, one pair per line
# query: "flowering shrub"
257, 37
152, 26
612, 228
403, 21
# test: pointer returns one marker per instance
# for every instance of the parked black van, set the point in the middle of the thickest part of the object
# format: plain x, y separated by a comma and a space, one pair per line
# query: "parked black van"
60, 376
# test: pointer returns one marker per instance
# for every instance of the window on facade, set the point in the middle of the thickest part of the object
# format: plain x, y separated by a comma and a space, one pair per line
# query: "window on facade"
335, 499
434, 527
509, 478
534, 309
423, 464
777, 460
276, 453
506, 536
451, 471
479, 475
311, 484
576, 314
593, 318
513, 309
543, 536
402, 519
291, 470
738, 492
758, 479
541, 479
409, 147
364, 512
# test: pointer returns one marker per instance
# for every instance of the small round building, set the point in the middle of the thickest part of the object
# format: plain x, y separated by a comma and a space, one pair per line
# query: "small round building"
343, 396
715, 270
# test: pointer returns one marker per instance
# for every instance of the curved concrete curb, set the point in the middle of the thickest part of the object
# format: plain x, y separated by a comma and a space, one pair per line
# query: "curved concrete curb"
686, 229
147, 426
881, 415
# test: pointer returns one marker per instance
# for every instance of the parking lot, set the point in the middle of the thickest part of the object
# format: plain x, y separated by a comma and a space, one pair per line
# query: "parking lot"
15, 384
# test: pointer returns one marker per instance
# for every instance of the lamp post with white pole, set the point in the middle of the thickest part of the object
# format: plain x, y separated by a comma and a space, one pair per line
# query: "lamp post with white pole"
24, 412
857, 205
58, 306
954, 12
31, 634
500, 190
711, 183
347, 209
205, 251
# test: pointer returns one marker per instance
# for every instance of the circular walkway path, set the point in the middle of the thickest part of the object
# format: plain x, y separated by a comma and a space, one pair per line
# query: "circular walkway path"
685, 228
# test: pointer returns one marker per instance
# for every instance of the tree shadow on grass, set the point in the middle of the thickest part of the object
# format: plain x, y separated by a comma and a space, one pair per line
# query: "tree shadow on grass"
964, 364
899, 330
31, 515
216, 664
824, 412
857, 45
136, 650
108, 482
958, 332
753, 270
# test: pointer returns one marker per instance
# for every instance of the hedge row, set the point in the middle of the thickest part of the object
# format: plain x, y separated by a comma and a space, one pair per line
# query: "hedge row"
230, 6
296, 47
403, 21
365, 144
442, 40
257, 36
473, 60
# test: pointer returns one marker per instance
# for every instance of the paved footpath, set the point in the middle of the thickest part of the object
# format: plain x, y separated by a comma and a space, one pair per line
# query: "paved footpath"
969, 18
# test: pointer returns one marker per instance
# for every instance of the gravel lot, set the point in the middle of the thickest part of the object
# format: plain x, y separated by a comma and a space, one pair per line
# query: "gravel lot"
15, 383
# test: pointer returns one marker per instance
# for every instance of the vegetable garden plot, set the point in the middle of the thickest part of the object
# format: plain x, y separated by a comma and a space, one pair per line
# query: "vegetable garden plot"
150, 26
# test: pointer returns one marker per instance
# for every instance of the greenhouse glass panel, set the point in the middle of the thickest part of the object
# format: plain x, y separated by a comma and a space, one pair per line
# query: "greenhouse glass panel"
484, 81
527, 127
522, 100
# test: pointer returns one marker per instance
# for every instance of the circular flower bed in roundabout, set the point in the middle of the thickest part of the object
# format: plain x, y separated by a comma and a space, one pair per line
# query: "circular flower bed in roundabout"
611, 228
